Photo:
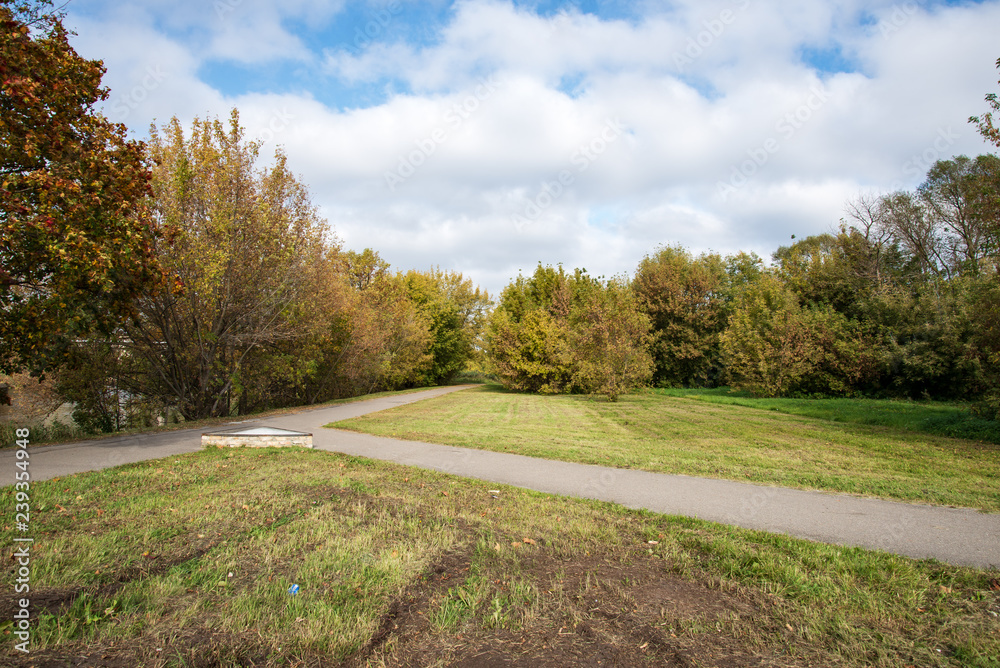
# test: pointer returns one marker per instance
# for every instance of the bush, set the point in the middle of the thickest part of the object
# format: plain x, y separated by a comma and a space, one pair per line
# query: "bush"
775, 347
561, 333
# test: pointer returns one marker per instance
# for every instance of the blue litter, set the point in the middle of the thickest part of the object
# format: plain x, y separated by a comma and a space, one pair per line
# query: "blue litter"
294, 589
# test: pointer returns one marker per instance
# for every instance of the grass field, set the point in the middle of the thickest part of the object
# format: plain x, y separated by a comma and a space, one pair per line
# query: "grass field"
188, 561
654, 431
927, 417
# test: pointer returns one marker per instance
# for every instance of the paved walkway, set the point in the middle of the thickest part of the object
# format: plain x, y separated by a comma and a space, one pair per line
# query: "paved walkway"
958, 536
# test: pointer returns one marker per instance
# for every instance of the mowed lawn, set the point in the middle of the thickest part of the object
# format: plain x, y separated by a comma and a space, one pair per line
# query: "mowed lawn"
666, 434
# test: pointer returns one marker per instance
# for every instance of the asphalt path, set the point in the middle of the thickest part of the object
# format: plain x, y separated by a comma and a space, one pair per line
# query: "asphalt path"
953, 535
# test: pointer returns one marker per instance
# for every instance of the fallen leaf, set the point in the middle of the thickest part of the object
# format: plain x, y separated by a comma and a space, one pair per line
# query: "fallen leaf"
496, 547
790, 628
516, 544
445, 493
945, 590
529, 541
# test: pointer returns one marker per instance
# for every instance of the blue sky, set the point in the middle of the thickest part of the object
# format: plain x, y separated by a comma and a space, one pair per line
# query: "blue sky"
484, 136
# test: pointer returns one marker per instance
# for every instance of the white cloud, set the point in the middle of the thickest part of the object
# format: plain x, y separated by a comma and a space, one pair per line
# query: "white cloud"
699, 89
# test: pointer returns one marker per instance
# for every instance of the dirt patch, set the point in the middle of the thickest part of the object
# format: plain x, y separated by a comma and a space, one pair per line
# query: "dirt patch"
406, 618
58, 601
604, 610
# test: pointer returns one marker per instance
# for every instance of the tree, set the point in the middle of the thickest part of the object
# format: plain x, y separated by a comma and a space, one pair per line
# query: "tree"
377, 339
775, 347
959, 193
918, 232
364, 268
455, 311
873, 251
75, 241
610, 340
527, 338
531, 353
556, 332
684, 299
247, 257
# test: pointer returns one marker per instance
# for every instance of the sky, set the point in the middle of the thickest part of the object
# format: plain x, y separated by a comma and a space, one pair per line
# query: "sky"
485, 136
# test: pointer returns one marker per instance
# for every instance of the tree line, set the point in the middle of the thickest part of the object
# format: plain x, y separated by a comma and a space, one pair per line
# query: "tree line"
903, 300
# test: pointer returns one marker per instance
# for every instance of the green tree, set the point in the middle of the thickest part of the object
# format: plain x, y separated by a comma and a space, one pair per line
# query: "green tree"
775, 347
960, 193
531, 353
377, 339
527, 338
555, 332
926, 347
610, 340
455, 311
75, 243
684, 298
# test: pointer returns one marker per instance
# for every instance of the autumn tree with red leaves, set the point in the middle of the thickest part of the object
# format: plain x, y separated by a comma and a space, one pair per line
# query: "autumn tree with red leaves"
75, 243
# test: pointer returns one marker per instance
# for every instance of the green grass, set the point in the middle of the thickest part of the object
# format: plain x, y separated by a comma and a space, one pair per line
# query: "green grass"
929, 417
657, 432
188, 560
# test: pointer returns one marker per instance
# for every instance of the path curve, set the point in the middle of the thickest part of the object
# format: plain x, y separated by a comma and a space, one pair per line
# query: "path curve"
953, 535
